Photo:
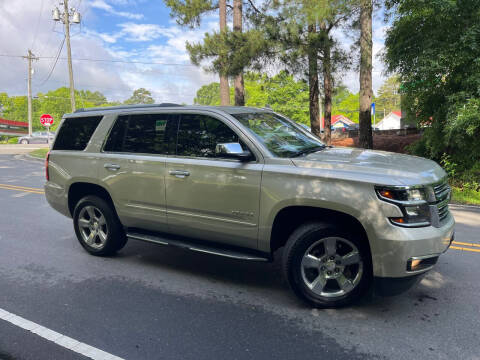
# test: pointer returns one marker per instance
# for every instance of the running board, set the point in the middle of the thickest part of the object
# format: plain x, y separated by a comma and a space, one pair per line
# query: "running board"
198, 247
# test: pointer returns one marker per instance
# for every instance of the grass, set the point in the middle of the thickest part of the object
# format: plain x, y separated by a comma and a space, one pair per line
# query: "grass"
39, 153
465, 196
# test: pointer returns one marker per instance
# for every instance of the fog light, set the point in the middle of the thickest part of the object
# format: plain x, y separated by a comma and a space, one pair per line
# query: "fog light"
416, 264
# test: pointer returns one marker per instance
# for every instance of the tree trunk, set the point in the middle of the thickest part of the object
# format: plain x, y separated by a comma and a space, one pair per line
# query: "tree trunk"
313, 83
366, 92
328, 90
237, 26
224, 88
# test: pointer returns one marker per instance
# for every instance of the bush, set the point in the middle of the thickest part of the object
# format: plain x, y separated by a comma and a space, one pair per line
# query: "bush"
13, 140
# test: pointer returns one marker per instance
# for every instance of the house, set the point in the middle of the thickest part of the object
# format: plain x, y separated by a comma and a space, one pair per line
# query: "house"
339, 121
392, 121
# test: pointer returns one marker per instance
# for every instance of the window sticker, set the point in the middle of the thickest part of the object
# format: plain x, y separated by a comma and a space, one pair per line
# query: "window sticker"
160, 125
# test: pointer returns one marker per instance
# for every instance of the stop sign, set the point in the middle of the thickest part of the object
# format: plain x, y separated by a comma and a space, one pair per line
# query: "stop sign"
46, 120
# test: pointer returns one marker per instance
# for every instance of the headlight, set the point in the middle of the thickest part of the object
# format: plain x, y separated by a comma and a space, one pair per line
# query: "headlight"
411, 201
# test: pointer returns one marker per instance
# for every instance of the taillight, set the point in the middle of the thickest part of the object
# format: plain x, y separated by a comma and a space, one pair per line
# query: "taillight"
46, 166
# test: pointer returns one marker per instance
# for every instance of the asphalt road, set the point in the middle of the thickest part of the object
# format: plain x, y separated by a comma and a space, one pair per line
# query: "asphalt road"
151, 302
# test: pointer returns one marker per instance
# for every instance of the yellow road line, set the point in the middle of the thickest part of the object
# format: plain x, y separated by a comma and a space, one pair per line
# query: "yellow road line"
464, 249
464, 243
22, 187
22, 190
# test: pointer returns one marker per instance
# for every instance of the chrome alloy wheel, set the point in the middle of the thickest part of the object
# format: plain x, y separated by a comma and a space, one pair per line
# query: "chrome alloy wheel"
332, 267
93, 227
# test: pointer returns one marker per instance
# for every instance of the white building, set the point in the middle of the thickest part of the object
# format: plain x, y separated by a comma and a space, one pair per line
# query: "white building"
392, 121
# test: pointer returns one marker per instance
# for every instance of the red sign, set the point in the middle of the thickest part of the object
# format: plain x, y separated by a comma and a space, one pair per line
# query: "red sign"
46, 120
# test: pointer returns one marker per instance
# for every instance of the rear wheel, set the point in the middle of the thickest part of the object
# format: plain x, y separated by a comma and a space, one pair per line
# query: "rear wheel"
24, 142
97, 227
327, 266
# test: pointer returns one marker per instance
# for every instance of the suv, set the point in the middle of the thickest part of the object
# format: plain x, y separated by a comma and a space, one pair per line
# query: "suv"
244, 182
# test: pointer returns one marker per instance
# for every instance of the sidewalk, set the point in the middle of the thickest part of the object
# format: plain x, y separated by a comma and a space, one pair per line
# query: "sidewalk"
12, 149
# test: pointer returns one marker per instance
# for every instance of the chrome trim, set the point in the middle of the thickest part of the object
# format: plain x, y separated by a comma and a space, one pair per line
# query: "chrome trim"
422, 258
412, 225
176, 212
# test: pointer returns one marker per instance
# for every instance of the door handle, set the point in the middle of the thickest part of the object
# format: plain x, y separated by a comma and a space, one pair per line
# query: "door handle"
113, 167
179, 173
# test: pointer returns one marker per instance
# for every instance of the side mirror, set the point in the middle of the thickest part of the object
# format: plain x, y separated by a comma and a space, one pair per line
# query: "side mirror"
233, 151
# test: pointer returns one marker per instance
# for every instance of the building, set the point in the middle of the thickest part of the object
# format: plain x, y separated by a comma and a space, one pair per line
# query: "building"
13, 128
339, 121
392, 121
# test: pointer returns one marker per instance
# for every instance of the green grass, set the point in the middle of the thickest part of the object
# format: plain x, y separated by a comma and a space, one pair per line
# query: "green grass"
465, 196
39, 153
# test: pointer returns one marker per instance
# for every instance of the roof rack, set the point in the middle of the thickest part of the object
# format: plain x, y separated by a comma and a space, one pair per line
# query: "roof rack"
125, 107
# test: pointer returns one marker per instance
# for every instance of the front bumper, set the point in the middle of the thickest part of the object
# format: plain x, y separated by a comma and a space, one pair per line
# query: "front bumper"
394, 248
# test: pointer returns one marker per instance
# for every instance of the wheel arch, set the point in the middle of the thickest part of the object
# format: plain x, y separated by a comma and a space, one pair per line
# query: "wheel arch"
78, 190
290, 217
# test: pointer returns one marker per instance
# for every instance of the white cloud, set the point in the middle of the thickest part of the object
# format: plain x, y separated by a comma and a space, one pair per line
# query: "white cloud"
101, 4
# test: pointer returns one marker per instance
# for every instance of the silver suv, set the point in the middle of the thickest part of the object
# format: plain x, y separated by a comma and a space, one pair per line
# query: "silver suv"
242, 183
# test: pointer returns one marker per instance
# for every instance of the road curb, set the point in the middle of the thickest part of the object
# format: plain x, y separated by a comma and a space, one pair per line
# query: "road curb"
33, 157
472, 207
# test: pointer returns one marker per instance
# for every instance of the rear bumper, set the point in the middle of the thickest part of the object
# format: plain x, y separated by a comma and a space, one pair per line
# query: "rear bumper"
57, 198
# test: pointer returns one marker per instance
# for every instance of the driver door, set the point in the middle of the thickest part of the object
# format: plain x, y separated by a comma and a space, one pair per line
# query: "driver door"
210, 197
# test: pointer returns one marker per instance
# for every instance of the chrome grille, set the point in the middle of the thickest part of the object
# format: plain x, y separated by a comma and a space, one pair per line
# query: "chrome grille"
442, 196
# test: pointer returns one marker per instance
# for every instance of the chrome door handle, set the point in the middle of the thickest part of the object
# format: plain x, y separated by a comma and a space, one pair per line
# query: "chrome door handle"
179, 173
113, 167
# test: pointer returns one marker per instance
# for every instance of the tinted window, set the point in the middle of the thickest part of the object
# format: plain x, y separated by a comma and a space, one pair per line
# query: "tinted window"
75, 133
146, 133
198, 135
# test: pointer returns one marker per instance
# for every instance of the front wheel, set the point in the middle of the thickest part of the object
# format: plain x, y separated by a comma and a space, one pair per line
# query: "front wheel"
24, 142
97, 227
326, 266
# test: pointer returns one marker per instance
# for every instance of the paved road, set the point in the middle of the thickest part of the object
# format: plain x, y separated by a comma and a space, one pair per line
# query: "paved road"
151, 302
13, 149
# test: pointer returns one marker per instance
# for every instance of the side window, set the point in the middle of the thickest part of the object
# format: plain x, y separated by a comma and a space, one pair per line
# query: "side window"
198, 135
75, 133
146, 134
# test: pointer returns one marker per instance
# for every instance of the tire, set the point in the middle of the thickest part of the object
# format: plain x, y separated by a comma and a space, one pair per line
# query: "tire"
317, 270
24, 142
93, 215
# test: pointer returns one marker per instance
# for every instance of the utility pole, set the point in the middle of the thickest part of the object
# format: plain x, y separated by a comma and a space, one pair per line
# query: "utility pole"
30, 57
65, 18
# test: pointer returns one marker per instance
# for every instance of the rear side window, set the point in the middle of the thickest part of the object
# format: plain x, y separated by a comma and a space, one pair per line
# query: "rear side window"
198, 135
145, 134
75, 133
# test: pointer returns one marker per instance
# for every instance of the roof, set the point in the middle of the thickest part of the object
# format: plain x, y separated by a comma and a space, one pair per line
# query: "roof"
168, 106
12, 122
397, 112
340, 117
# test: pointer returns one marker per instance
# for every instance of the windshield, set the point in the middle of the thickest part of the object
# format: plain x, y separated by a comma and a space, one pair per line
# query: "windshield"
279, 134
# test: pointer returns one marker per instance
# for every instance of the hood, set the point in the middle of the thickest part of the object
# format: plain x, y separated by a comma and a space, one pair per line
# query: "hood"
380, 167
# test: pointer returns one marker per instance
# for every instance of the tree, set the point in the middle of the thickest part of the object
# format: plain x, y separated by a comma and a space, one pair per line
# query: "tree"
345, 103
303, 33
208, 94
281, 92
366, 92
237, 27
140, 96
188, 13
439, 73
388, 97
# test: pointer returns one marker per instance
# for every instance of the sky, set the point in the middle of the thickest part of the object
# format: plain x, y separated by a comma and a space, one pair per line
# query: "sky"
120, 45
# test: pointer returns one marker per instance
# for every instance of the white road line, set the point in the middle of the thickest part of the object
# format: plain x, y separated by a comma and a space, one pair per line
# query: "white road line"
57, 338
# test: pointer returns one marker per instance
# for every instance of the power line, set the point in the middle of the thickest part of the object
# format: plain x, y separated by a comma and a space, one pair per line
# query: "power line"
55, 63
108, 60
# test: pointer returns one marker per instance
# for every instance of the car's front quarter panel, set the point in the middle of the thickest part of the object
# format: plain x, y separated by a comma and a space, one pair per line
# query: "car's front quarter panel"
285, 185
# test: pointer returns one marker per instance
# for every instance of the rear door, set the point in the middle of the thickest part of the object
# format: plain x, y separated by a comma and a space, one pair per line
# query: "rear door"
210, 197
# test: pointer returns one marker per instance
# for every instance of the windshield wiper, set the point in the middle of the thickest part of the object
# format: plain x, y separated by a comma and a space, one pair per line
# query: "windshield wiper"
309, 150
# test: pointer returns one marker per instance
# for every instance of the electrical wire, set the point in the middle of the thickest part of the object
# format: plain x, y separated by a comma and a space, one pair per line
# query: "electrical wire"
55, 63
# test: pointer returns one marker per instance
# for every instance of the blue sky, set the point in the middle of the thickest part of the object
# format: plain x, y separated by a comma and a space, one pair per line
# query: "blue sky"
117, 30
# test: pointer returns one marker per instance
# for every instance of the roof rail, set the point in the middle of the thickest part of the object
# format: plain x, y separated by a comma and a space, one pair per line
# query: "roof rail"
126, 107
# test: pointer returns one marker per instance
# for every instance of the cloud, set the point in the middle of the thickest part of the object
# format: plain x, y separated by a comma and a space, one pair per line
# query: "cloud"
101, 4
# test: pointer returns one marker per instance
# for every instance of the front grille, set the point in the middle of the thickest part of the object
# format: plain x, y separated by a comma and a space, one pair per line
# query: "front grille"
442, 196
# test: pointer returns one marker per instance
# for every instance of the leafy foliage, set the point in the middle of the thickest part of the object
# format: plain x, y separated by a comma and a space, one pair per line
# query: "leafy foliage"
140, 96
434, 46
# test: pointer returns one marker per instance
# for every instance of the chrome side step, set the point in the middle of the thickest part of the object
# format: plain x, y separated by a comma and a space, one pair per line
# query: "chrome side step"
198, 247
